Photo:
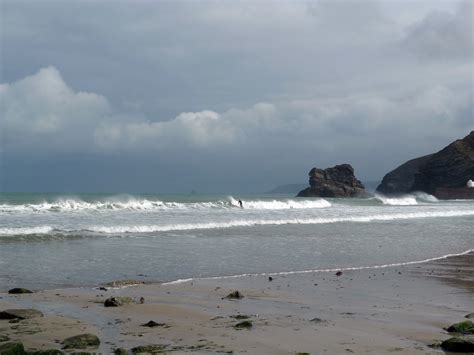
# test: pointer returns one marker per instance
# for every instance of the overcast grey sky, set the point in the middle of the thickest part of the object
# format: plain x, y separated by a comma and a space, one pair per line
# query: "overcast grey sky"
226, 96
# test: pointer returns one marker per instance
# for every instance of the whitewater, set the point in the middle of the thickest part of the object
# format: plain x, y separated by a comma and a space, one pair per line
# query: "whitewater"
51, 240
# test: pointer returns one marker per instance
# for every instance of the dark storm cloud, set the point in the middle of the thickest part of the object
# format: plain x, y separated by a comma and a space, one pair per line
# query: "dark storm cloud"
232, 94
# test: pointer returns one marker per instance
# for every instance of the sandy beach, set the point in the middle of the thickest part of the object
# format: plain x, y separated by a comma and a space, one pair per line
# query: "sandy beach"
390, 310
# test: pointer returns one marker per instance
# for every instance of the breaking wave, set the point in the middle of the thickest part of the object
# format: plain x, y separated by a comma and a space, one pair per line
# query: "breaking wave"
281, 205
26, 230
265, 222
406, 200
131, 203
117, 229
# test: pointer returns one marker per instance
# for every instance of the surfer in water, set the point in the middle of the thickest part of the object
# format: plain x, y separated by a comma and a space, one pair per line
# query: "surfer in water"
241, 204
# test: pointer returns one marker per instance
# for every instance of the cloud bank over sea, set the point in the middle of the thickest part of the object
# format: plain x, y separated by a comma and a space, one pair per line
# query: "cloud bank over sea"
222, 89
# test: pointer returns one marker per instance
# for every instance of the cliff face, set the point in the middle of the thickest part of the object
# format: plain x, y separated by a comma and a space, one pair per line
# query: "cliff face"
451, 167
338, 181
443, 174
402, 178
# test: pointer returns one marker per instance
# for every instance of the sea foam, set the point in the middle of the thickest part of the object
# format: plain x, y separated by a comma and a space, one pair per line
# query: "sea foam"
406, 200
311, 271
25, 230
136, 204
263, 222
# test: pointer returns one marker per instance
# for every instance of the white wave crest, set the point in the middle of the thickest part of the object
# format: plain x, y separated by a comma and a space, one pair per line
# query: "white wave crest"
406, 200
131, 203
423, 196
25, 230
79, 205
280, 204
250, 223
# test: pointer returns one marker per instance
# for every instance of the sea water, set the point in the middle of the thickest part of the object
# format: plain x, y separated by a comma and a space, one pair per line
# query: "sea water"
51, 241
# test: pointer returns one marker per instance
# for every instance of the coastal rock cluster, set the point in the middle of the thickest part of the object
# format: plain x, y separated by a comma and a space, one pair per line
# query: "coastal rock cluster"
338, 181
444, 174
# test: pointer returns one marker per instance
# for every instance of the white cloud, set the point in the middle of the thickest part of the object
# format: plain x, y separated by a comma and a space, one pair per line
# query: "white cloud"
41, 110
373, 131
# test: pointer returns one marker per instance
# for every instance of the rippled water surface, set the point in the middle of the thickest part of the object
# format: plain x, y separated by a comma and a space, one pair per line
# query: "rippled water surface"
50, 241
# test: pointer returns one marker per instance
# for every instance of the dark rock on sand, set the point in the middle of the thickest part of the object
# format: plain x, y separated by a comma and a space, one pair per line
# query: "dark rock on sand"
4, 337
117, 301
338, 181
235, 295
20, 314
12, 349
46, 352
149, 349
153, 324
81, 341
463, 344
18, 291
246, 324
470, 316
466, 327
444, 174
121, 351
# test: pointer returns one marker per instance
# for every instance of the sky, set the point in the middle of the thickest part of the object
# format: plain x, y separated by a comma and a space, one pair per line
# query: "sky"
226, 96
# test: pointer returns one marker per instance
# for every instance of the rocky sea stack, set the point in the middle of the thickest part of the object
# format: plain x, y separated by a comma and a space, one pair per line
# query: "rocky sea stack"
444, 174
338, 181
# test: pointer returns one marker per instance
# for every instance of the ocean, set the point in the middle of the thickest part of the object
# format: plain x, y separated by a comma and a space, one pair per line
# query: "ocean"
49, 241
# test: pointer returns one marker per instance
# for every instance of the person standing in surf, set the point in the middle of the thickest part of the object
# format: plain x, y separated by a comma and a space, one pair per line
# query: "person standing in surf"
241, 204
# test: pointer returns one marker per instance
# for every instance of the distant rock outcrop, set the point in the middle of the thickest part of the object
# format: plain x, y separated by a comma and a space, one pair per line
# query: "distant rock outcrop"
444, 174
402, 178
338, 181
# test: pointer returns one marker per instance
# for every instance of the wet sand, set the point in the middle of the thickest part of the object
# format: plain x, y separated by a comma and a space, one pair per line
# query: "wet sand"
399, 310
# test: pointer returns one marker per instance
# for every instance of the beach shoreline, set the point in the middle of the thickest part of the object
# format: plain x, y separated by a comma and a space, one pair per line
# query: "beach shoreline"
398, 309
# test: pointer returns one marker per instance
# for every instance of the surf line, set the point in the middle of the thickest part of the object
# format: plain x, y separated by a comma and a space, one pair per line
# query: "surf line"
310, 271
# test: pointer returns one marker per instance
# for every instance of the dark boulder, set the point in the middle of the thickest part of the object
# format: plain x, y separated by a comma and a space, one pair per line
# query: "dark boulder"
81, 341
12, 349
338, 181
117, 301
466, 327
20, 314
152, 324
236, 295
19, 291
246, 324
459, 344
149, 349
